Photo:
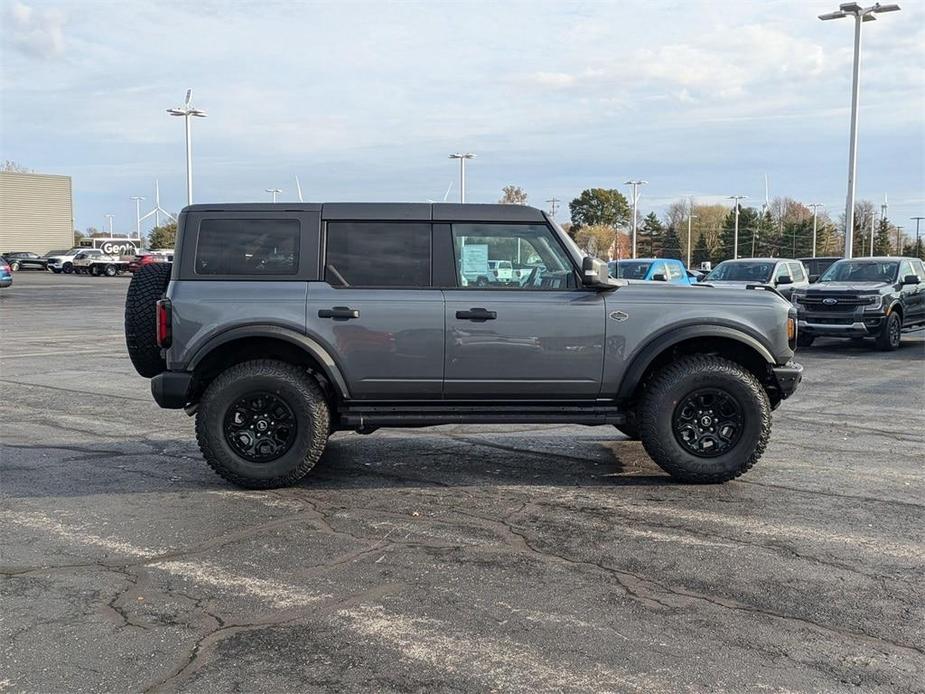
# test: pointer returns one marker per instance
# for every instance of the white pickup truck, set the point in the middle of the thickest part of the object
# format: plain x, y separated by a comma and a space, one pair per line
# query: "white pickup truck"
93, 261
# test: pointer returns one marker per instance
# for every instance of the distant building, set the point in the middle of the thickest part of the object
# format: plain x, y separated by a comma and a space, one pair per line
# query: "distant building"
36, 212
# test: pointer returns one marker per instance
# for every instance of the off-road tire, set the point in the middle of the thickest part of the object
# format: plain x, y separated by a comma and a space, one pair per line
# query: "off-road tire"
146, 288
304, 398
805, 340
891, 334
671, 385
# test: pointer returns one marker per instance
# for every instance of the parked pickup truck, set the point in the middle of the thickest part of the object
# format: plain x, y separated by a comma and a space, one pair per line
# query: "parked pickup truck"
276, 327
92, 261
864, 297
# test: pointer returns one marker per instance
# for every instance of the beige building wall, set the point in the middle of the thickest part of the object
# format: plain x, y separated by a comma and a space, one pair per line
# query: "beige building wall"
36, 212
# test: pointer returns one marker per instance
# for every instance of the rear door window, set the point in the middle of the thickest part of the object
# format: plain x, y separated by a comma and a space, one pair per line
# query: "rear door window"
248, 247
378, 254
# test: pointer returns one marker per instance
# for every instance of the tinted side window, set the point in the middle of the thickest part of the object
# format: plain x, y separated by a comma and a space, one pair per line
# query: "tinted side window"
248, 247
377, 254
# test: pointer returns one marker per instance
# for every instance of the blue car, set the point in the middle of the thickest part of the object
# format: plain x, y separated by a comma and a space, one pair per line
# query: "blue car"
6, 275
654, 269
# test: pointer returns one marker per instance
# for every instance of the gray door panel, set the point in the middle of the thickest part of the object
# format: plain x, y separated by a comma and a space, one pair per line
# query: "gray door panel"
392, 349
541, 344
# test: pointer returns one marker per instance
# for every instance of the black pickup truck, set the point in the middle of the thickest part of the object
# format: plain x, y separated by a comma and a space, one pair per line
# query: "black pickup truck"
864, 297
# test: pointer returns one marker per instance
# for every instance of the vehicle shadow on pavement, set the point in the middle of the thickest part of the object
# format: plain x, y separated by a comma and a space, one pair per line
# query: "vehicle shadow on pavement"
385, 459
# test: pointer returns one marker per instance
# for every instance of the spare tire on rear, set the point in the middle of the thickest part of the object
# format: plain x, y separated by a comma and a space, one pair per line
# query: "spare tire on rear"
146, 288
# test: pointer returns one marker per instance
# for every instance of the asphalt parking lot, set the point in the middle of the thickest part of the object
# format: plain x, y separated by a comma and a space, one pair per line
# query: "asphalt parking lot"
547, 558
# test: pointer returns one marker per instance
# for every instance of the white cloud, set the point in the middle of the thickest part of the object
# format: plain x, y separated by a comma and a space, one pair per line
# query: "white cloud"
36, 33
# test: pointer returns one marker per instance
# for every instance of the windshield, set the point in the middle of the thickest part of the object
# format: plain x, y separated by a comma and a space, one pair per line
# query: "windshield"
738, 271
861, 271
628, 269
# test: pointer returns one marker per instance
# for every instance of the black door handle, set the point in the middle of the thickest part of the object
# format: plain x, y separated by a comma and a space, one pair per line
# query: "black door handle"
477, 314
339, 313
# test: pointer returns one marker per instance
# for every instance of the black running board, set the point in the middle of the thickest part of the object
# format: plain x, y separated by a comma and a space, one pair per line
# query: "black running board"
369, 417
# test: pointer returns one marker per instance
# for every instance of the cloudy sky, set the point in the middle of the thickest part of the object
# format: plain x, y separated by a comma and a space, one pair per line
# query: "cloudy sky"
363, 101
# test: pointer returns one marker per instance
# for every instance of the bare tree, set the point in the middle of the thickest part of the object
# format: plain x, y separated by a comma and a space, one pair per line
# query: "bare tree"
513, 195
9, 166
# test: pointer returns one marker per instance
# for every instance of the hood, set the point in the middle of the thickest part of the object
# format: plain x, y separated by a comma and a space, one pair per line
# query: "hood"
822, 287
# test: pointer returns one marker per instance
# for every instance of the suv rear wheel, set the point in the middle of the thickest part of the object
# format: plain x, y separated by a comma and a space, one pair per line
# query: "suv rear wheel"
705, 419
262, 424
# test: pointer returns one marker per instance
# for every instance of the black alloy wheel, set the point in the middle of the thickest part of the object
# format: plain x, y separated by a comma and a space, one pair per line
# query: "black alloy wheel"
707, 422
260, 427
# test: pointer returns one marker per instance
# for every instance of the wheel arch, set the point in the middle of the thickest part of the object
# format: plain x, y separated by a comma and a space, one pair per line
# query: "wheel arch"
267, 342
731, 343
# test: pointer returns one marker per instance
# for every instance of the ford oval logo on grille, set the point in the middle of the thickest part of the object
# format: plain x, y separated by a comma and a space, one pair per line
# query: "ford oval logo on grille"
830, 302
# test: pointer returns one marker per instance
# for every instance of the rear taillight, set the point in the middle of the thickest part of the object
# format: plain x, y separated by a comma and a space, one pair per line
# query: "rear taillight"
164, 323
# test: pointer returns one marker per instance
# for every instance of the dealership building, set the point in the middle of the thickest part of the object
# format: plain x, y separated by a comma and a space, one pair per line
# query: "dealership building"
36, 212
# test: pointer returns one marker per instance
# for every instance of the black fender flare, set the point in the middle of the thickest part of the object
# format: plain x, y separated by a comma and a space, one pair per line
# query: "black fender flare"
331, 370
647, 353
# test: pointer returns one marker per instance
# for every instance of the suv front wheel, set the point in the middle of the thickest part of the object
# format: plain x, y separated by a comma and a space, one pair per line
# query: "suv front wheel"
704, 419
262, 424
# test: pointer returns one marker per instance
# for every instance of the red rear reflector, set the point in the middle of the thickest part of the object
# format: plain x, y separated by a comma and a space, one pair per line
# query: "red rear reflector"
164, 331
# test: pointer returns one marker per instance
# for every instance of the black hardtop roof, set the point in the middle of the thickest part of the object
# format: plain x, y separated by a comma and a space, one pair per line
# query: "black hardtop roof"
389, 211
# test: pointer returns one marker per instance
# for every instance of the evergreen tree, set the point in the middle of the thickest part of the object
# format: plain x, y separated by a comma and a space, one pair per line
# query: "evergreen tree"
649, 242
883, 240
701, 253
748, 225
671, 243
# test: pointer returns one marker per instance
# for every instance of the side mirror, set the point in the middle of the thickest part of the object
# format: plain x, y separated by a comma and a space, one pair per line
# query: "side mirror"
594, 273
659, 277
911, 279
784, 279
813, 278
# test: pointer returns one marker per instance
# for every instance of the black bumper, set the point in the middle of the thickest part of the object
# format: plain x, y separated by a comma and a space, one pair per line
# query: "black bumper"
788, 377
854, 324
171, 389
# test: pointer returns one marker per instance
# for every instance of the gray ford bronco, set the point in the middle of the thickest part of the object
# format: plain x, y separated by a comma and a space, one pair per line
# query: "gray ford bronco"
278, 324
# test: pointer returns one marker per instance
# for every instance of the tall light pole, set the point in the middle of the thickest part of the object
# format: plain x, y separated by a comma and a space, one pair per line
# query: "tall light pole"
918, 249
899, 240
860, 14
735, 241
109, 219
187, 112
872, 215
635, 185
815, 205
690, 216
462, 156
137, 200
274, 191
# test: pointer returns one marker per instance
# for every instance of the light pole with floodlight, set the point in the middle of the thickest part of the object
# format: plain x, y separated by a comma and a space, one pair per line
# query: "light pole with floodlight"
274, 191
861, 15
137, 200
690, 216
814, 205
635, 185
462, 156
735, 241
187, 112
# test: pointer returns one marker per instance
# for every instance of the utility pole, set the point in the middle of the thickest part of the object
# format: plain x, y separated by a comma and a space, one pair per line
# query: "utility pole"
861, 15
872, 214
918, 248
109, 219
899, 240
735, 242
635, 185
137, 200
815, 205
553, 206
690, 216
462, 156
